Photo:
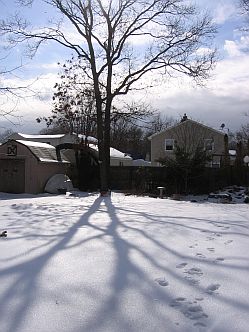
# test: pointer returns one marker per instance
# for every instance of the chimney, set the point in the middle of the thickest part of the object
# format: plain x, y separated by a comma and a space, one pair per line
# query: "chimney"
184, 118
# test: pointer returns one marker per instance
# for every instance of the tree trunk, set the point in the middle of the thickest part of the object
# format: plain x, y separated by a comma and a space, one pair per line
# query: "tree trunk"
103, 133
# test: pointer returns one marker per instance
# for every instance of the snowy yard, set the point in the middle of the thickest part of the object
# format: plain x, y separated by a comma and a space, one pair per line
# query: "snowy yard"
122, 263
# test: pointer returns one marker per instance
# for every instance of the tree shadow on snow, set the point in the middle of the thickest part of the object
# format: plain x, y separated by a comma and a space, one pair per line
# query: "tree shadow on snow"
129, 272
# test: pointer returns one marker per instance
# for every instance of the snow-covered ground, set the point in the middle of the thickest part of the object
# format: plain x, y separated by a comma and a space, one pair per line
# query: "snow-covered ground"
122, 263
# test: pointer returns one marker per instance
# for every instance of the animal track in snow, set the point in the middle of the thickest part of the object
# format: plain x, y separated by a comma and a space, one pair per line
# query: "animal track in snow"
200, 255
228, 241
199, 298
162, 282
181, 265
194, 271
177, 302
211, 249
190, 310
212, 288
200, 324
219, 259
194, 312
192, 280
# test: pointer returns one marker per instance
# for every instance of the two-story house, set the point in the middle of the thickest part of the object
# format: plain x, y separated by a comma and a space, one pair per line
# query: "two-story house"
189, 134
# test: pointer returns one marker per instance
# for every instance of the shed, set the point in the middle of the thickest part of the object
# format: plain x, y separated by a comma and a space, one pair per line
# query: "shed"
26, 166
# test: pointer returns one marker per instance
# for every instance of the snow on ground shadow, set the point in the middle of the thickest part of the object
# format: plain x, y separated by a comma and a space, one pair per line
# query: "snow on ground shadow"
122, 263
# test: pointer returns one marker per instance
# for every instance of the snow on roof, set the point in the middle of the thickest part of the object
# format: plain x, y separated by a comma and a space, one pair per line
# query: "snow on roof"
44, 152
40, 136
37, 144
114, 153
89, 138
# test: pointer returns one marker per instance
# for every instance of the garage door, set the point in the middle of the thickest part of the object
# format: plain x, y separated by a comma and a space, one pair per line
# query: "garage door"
12, 176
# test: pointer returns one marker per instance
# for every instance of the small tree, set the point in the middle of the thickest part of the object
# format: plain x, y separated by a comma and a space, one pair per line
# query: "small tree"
185, 166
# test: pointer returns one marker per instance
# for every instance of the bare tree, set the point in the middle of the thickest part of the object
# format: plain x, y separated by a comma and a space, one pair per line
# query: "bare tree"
5, 134
74, 102
176, 39
75, 110
245, 5
11, 94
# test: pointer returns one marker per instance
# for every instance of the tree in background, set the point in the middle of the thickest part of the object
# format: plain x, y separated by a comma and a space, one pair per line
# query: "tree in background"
245, 5
173, 32
75, 110
74, 101
5, 134
11, 94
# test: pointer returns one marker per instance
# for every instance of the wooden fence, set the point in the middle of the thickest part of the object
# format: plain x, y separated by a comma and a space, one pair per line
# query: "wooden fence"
147, 179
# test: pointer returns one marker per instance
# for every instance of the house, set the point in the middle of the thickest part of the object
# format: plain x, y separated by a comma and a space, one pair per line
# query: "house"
117, 158
190, 134
26, 166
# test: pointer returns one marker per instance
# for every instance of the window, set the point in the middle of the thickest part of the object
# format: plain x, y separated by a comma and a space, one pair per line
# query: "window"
169, 144
208, 144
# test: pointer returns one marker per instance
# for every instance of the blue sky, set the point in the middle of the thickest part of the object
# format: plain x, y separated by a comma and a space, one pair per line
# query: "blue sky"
224, 99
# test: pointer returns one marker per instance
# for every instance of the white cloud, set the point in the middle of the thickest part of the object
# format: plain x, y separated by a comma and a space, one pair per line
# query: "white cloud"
237, 47
223, 12
232, 48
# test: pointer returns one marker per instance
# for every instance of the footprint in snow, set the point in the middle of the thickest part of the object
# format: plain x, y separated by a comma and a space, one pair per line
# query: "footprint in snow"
200, 255
194, 271
190, 310
162, 282
181, 265
177, 302
212, 288
200, 324
194, 312
219, 259
199, 298
193, 245
211, 249
228, 241
192, 280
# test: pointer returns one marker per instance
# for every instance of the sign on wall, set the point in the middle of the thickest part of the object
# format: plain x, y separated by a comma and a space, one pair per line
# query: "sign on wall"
12, 150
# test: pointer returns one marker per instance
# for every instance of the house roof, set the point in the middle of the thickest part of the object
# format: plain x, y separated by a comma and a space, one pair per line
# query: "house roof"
70, 137
42, 151
182, 124
27, 136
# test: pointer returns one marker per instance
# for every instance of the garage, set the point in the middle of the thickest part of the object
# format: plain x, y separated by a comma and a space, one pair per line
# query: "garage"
26, 166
